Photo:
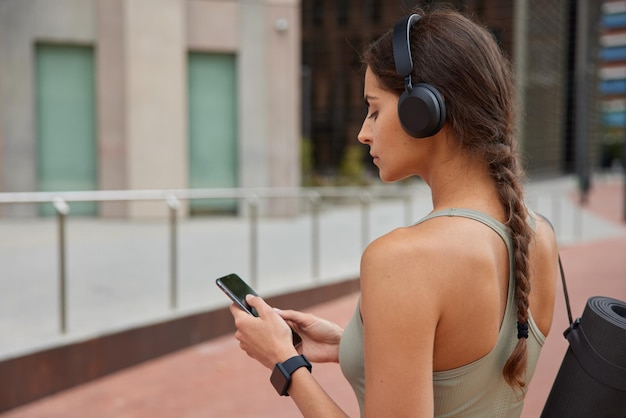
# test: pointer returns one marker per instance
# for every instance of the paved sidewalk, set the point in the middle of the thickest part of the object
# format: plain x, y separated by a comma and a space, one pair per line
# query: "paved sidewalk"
216, 379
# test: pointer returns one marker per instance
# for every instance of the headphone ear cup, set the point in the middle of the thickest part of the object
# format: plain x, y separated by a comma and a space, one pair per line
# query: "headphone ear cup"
422, 112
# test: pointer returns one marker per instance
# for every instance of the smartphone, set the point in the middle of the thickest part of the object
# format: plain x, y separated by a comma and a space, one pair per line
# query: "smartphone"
236, 289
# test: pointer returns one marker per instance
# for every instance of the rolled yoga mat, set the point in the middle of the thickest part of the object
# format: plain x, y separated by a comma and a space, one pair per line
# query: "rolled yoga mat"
591, 381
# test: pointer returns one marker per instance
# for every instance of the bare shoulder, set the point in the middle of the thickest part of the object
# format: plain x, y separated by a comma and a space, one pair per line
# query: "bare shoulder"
419, 258
395, 246
545, 239
400, 250
544, 255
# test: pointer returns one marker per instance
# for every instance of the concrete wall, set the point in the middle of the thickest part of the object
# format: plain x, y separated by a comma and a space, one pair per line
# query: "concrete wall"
141, 52
270, 97
155, 68
112, 114
22, 23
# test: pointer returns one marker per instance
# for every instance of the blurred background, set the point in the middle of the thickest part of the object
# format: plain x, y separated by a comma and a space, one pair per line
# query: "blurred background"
114, 94
148, 147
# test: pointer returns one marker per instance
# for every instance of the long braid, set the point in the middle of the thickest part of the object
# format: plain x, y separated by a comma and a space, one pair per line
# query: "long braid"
506, 170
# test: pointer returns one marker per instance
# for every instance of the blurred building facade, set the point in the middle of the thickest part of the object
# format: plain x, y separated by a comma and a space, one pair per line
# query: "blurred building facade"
148, 94
167, 94
539, 37
613, 82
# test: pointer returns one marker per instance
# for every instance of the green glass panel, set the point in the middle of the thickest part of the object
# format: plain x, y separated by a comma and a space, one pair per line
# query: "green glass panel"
66, 145
212, 127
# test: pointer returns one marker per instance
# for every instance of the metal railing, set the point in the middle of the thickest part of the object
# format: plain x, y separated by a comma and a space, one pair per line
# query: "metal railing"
248, 197
249, 200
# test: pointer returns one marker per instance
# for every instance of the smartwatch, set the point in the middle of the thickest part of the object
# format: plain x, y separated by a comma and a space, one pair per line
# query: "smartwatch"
281, 375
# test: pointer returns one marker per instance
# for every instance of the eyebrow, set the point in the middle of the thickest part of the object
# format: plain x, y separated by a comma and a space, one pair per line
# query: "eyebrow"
367, 99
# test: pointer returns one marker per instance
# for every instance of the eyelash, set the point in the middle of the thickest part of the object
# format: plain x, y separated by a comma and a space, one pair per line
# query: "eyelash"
373, 115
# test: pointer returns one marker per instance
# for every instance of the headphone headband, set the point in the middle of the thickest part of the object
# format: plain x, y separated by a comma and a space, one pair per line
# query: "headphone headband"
402, 45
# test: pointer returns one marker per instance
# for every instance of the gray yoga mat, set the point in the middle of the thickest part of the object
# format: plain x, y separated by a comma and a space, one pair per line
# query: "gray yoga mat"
591, 381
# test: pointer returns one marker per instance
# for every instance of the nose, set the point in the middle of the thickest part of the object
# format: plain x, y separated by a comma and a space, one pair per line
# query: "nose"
364, 135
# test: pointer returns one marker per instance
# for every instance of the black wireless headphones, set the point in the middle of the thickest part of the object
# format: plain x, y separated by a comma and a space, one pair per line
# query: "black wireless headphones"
421, 108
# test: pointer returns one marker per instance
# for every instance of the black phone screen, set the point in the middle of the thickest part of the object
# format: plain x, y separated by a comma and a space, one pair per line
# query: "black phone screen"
237, 289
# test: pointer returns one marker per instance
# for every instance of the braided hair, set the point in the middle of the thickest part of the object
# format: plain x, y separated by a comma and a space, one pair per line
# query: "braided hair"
463, 60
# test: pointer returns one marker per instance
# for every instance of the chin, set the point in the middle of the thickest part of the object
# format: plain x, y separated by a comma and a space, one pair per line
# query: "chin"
391, 177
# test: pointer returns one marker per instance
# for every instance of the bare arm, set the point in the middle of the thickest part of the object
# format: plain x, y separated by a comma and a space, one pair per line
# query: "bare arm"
400, 311
268, 340
544, 275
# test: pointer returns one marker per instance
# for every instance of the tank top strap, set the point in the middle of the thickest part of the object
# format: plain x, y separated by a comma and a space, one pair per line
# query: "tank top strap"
498, 227
502, 230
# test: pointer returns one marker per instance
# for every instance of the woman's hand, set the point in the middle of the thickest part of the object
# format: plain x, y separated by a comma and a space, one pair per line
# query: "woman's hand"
320, 338
266, 338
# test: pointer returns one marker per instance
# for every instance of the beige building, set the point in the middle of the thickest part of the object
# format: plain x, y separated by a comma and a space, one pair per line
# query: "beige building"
148, 94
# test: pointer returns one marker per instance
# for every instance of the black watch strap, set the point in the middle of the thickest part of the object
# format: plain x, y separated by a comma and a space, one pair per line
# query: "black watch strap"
281, 375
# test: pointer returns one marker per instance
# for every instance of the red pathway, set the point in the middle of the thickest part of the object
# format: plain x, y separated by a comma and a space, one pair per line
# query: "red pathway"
215, 379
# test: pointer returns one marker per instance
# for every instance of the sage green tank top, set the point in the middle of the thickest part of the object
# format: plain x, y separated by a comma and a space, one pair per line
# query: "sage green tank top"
476, 389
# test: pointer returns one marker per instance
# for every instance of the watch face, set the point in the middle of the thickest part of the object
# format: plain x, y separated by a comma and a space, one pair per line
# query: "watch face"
280, 380
281, 375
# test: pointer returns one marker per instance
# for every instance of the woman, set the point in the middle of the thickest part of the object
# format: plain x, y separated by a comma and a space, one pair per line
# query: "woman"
443, 326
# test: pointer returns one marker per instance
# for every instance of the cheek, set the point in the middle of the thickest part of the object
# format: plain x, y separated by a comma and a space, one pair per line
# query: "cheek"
390, 128
389, 131
395, 127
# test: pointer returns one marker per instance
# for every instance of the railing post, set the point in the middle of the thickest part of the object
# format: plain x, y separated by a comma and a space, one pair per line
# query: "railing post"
253, 205
174, 205
315, 236
62, 210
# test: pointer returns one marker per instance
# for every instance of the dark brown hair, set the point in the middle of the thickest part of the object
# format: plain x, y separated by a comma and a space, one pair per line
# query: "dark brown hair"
463, 61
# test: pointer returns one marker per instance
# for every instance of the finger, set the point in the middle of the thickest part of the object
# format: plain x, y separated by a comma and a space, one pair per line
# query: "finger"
294, 316
292, 325
258, 303
234, 310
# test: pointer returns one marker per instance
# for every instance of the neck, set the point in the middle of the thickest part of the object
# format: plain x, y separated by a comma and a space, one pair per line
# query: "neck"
462, 180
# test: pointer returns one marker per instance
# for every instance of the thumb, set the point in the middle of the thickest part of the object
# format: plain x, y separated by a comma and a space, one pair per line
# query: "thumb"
258, 303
